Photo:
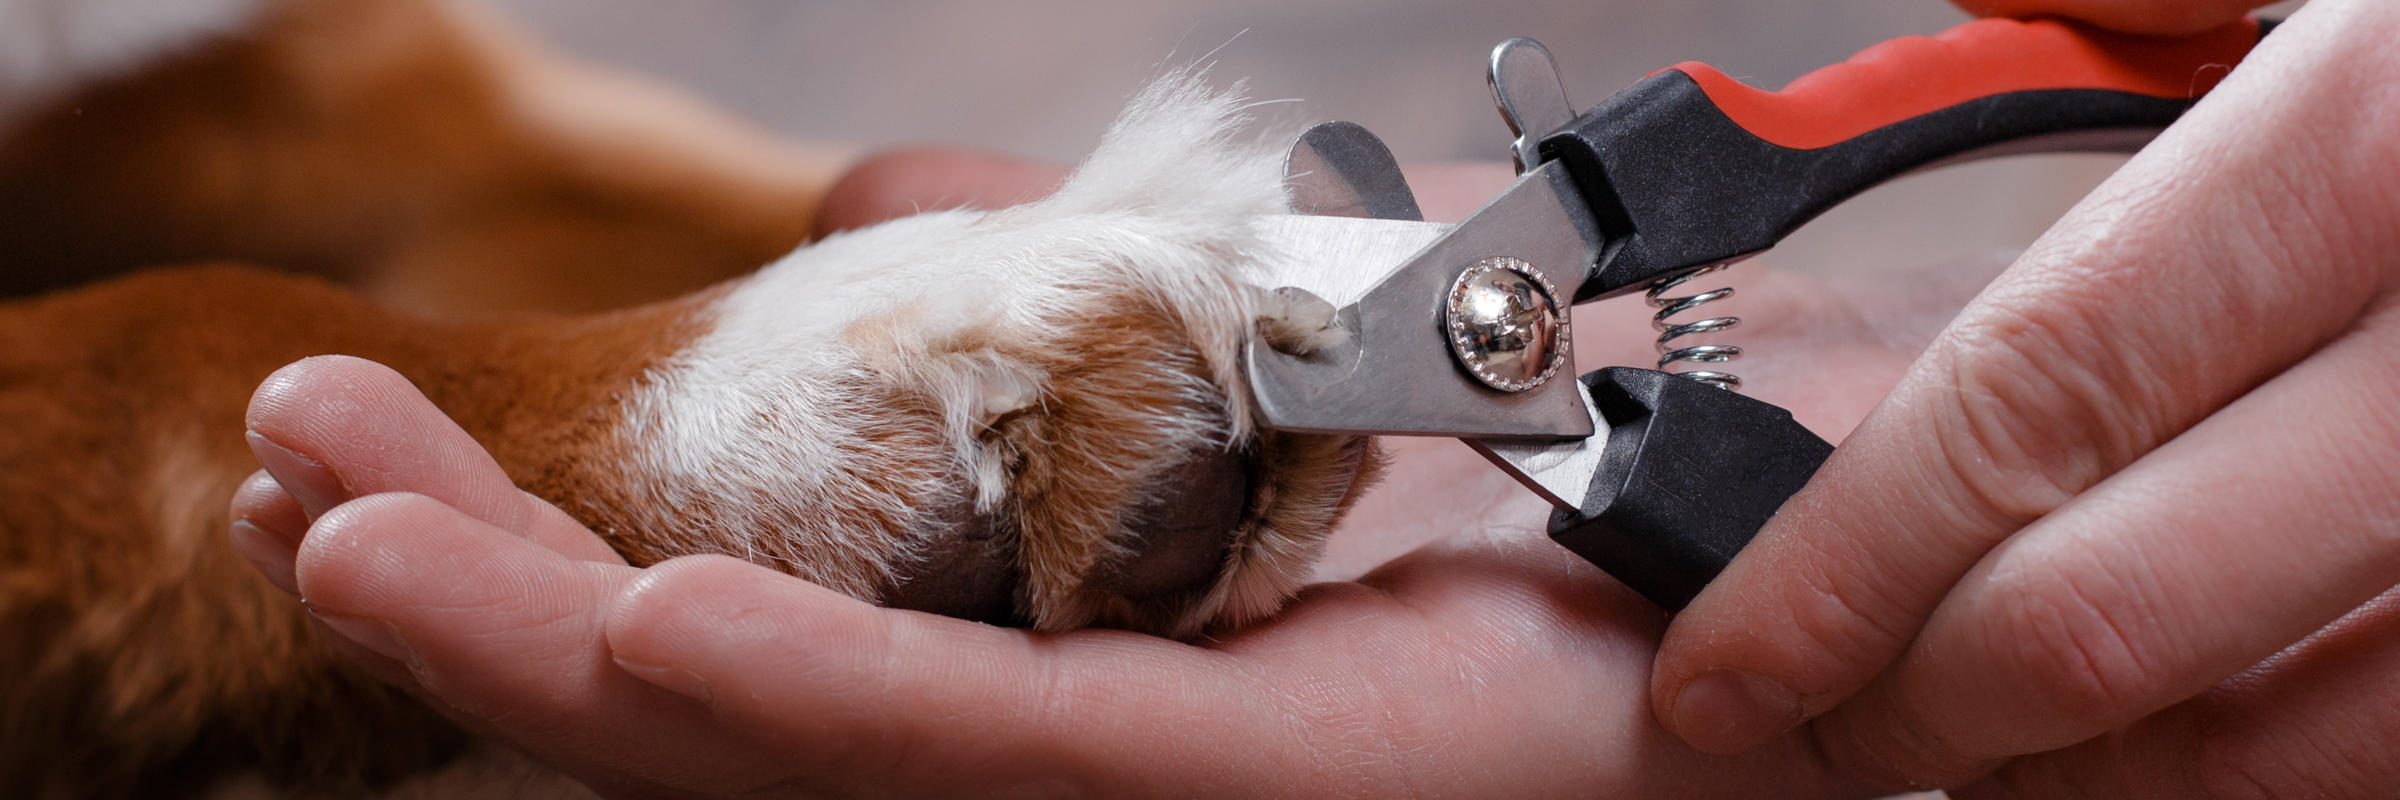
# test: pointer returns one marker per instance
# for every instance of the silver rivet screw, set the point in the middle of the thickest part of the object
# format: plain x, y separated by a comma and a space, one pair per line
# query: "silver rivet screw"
1505, 324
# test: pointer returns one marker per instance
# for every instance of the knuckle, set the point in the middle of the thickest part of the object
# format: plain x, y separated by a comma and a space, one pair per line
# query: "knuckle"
1845, 619
2075, 658
2036, 413
1882, 744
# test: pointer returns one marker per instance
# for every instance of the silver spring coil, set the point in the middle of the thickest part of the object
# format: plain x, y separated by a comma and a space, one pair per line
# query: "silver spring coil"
1669, 331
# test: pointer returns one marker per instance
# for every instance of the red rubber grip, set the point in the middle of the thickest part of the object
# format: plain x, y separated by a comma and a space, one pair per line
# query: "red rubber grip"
1916, 75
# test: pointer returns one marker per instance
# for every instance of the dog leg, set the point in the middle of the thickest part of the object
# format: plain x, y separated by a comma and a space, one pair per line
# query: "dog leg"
418, 149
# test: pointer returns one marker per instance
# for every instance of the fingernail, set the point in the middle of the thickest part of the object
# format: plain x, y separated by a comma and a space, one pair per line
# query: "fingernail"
372, 634
1726, 712
306, 481
674, 679
269, 553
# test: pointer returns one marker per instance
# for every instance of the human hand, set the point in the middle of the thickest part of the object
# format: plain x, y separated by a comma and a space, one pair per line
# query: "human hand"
909, 180
2135, 510
1498, 667
1489, 663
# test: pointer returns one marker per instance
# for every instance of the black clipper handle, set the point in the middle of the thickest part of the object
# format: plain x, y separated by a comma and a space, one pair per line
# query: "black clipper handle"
1689, 475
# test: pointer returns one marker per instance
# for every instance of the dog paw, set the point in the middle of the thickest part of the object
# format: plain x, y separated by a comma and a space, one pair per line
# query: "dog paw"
1033, 415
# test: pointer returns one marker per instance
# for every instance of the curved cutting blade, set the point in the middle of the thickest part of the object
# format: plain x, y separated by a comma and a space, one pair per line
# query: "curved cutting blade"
1395, 374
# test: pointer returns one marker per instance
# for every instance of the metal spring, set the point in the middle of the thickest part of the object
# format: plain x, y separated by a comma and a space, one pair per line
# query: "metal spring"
1669, 332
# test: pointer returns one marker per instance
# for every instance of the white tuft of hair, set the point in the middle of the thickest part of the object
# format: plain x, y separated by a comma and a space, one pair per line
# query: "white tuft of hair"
50, 46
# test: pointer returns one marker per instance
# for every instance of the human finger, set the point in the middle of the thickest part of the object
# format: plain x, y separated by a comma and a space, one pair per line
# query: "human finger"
2150, 17
862, 696
333, 428
2242, 240
266, 529
904, 181
2317, 720
2176, 573
506, 635
1485, 670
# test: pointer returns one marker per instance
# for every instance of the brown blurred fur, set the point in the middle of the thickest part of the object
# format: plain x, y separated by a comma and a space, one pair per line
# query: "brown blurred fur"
411, 148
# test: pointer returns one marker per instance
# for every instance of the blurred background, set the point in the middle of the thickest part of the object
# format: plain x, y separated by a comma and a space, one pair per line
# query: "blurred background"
1042, 78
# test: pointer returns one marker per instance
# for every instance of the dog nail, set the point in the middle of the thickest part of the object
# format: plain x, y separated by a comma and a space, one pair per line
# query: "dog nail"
674, 679
270, 554
372, 634
306, 481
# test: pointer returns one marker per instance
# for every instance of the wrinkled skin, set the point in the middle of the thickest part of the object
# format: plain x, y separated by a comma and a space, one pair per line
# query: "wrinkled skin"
2041, 567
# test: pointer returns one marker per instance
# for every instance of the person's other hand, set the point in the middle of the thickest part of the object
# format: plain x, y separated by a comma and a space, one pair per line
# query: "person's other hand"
2138, 509
898, 182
